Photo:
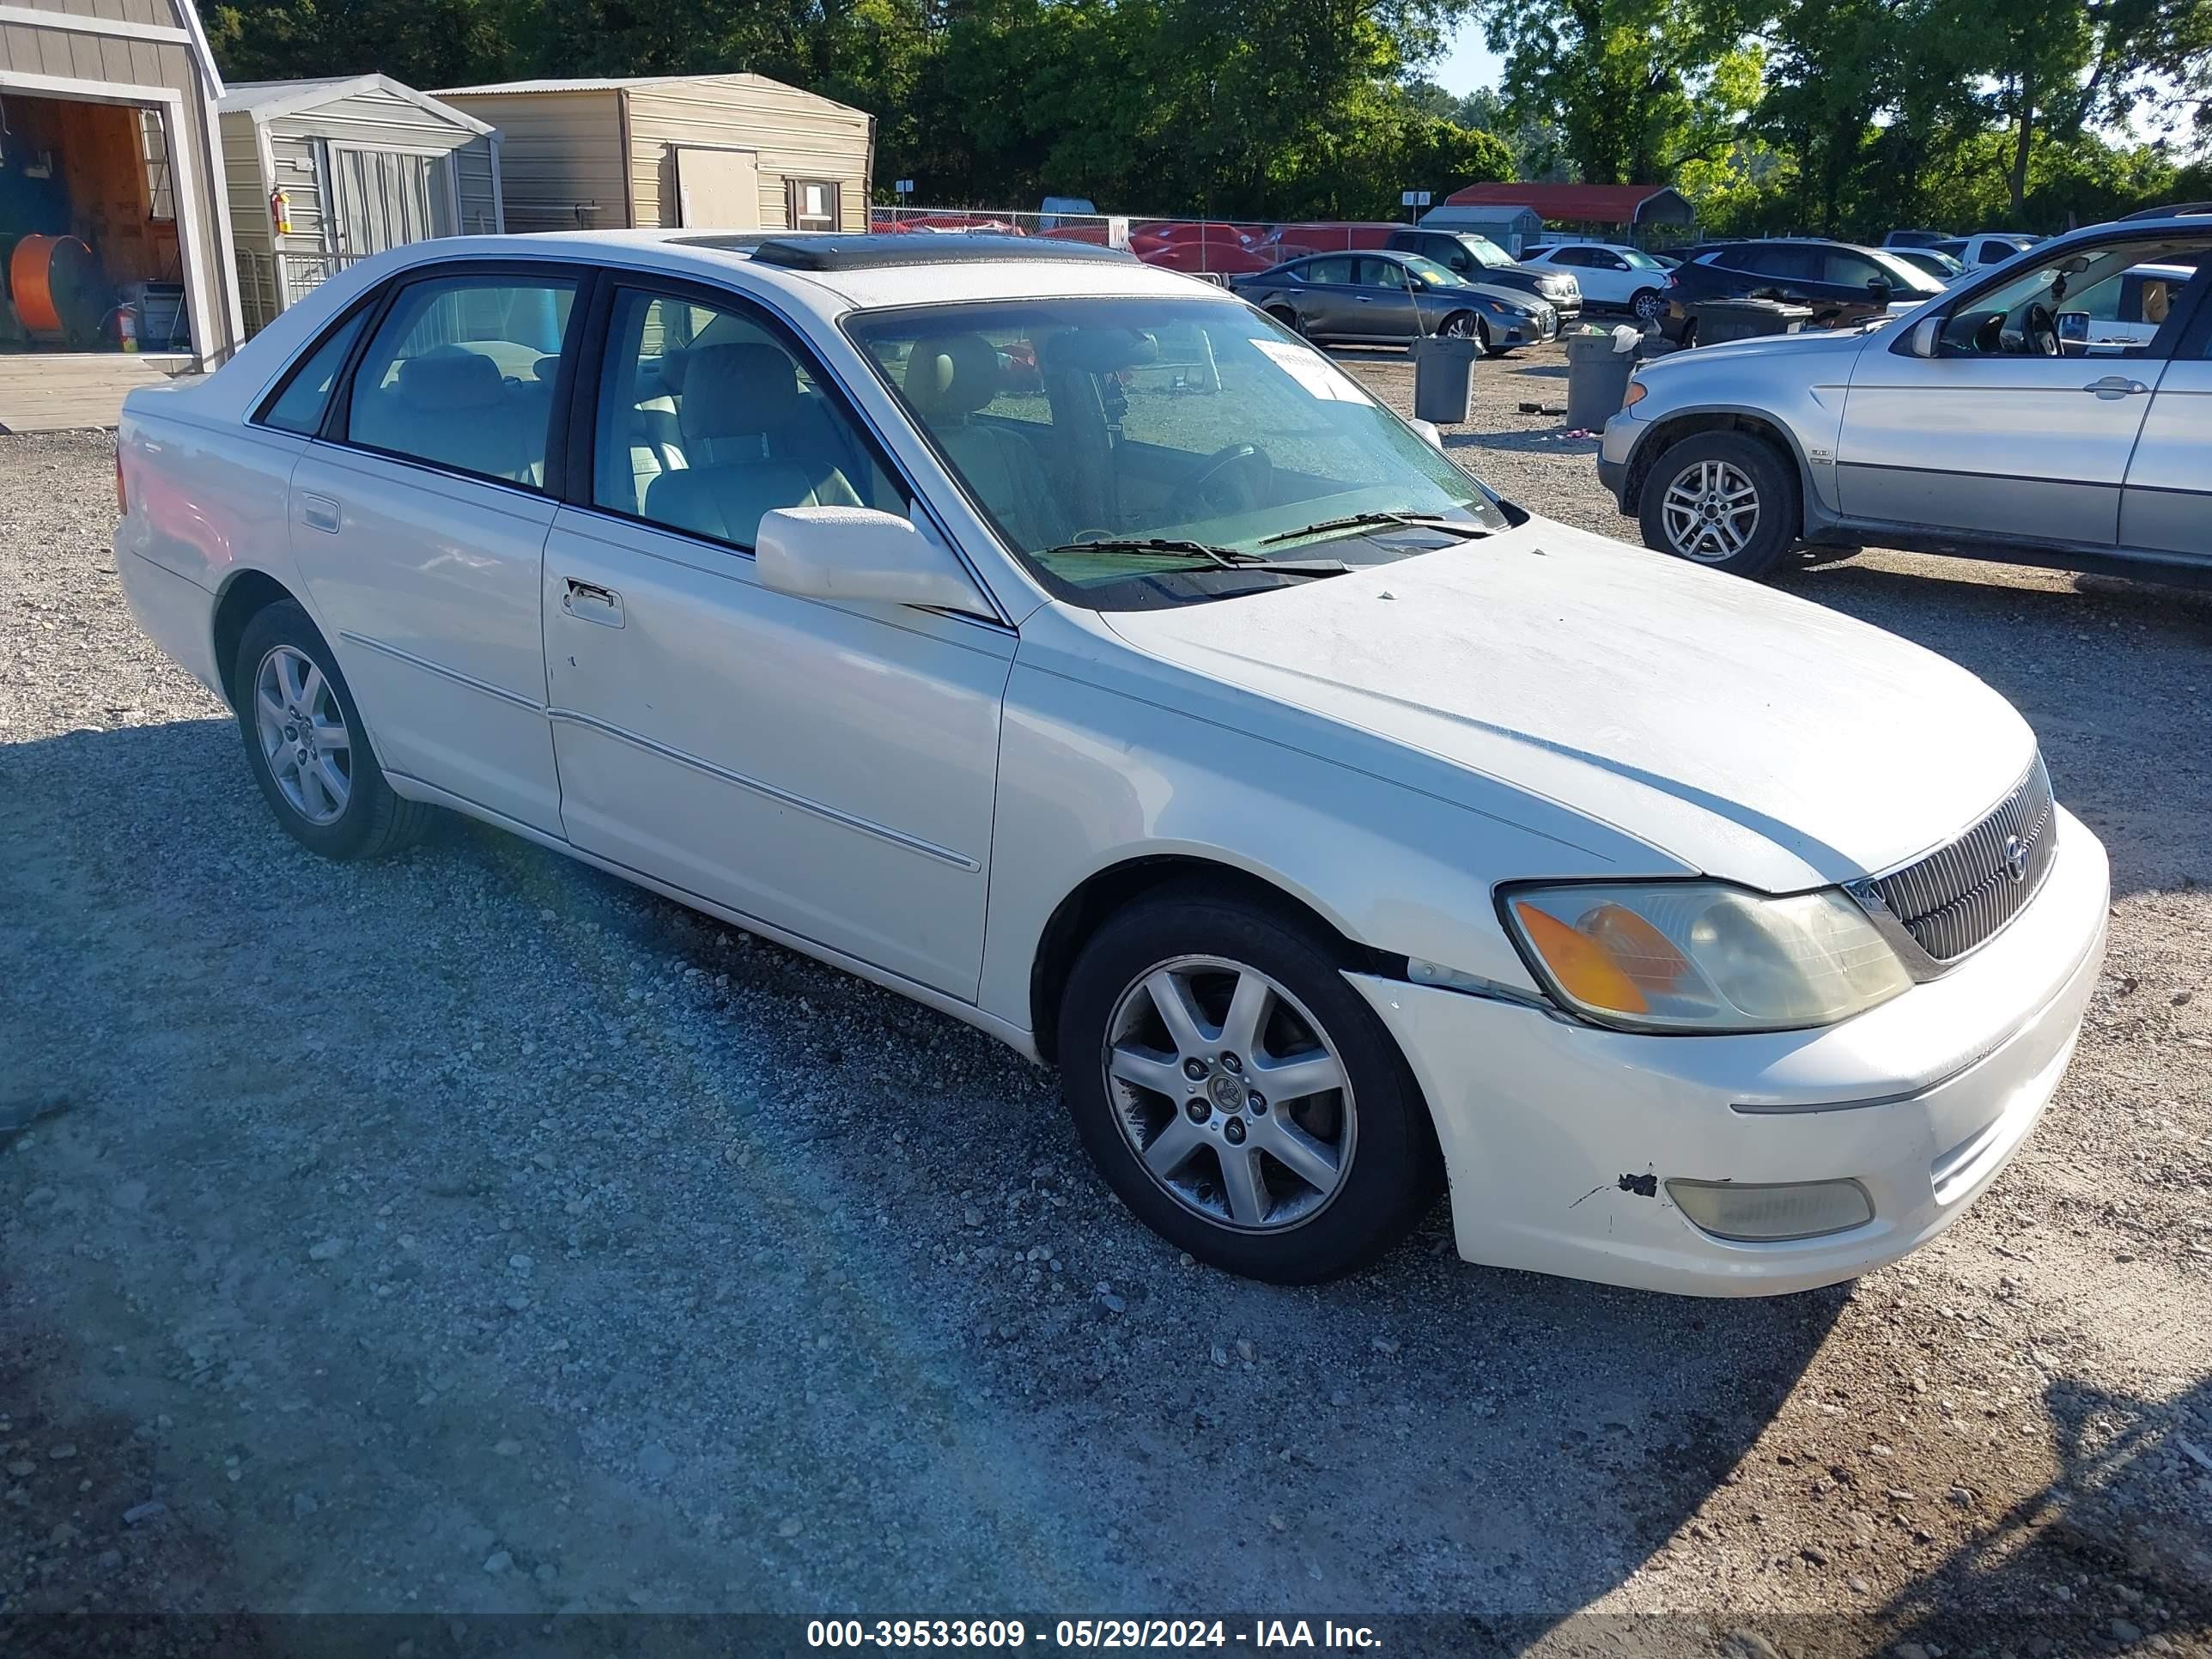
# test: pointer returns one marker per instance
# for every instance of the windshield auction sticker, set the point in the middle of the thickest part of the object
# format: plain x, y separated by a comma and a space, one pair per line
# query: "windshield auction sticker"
1320, 376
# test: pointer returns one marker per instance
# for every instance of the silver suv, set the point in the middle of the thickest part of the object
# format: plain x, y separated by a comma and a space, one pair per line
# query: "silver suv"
1999, 420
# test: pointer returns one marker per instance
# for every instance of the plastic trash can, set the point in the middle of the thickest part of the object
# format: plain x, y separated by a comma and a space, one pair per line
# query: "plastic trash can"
1718, 320
1597, 376
1443, 379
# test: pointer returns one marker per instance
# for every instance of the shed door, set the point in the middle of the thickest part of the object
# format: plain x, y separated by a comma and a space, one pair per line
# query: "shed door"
387, 198
719, 189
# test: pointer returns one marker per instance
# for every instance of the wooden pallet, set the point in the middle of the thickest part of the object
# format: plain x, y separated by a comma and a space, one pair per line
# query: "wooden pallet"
54, 392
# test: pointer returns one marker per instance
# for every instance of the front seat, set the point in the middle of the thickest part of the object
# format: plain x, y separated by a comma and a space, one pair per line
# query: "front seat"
949, 378
736, 398
451, 404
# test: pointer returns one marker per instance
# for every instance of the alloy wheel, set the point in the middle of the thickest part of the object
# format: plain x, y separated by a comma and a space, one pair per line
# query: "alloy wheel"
1711, 512
1233, 1098
1648, 306
303, 735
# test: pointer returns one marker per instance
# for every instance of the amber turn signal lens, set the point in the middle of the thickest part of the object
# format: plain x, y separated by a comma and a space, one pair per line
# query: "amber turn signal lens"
1584, 969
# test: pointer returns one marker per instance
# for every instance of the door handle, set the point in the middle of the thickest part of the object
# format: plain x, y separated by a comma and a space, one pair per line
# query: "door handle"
1363, 299
589, 602
2116, 385
319, 513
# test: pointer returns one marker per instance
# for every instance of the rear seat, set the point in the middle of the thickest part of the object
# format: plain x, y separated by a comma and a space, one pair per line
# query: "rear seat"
452, 405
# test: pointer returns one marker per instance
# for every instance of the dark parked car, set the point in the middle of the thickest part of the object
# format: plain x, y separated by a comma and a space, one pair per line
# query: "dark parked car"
1481, 260
1390, 298
1915, 238
1836, 279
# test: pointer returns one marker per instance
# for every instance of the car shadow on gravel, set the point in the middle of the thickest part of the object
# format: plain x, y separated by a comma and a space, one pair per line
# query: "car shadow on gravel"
690, 1224
2113, 1552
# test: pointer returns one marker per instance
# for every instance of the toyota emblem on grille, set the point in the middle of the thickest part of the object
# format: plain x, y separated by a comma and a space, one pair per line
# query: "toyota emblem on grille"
2016, 859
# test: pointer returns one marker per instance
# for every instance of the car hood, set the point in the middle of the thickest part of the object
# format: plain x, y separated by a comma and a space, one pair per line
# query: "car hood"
1745, 733
1840, 342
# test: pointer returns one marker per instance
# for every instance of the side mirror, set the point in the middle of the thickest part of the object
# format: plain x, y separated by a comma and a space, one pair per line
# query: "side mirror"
1431, 432
1925, 334
846, 554
1879, 289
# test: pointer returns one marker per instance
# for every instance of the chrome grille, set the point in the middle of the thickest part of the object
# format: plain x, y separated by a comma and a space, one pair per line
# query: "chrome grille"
1958, 895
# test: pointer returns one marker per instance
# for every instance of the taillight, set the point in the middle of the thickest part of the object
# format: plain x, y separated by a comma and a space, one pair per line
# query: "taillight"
1673, 281
122, 496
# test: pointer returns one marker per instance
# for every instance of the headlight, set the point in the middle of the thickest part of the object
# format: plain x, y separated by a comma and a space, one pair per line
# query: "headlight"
1696, 956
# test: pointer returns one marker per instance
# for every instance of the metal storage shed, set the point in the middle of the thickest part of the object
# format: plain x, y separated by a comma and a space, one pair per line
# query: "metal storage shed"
112, 229
323, 173
723, 152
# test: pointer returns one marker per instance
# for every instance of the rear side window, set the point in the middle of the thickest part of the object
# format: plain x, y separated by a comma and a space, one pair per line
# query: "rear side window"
460, 374
306, 393
1327, 271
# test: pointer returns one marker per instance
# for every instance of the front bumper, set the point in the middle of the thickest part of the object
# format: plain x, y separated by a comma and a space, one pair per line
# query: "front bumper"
1614, 475
1559, 1139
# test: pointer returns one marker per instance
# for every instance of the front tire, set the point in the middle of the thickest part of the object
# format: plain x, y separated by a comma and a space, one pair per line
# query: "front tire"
1648, 306
1723, 500
1240, 1096
306, 746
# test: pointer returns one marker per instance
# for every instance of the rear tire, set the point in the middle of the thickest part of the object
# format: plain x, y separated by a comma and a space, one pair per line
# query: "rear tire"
1293, 1189
306, 746
1723, 500
1289, 319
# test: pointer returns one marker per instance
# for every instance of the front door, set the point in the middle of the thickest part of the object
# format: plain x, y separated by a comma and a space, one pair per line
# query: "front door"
418, 519
718, 189
387, 198
2007, 430
826, 768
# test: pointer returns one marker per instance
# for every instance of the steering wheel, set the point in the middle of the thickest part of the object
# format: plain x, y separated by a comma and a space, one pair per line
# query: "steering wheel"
2039, 329
1247, 463
1244, 462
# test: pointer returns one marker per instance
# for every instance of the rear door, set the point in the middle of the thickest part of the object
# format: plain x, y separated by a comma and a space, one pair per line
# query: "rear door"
2167, 506
418, 517
1326, 305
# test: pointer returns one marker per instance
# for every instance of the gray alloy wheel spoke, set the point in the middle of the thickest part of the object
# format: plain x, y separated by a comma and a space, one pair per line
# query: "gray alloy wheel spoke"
1160, 1074
1168, 1151
1314, 1072
303, 735
1210, 1065
1297, 1152
1248, 1202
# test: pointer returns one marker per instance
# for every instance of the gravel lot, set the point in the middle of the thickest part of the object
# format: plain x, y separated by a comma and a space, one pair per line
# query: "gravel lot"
469, 1232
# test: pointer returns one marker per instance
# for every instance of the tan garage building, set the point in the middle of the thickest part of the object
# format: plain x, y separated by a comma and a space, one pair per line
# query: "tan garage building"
720, 152
115, 256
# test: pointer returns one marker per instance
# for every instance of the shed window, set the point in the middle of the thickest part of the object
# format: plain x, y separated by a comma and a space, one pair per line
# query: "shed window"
154, 150
812, 204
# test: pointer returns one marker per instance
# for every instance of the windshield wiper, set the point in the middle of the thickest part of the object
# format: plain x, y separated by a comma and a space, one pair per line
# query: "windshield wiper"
1459, 528
1229, 558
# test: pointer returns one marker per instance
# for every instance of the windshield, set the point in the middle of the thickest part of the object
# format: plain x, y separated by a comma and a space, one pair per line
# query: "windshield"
1124, 420
1487, 253
1637, 259
1904, 274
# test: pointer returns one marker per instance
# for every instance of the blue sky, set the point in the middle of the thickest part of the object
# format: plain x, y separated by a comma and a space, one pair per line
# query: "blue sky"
1466, 62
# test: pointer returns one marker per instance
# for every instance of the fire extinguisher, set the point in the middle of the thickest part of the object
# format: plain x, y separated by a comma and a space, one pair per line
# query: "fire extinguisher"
280, 212
126, 328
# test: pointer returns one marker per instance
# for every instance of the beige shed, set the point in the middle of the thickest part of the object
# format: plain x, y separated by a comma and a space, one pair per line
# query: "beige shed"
721, 152
115, 258
324, 172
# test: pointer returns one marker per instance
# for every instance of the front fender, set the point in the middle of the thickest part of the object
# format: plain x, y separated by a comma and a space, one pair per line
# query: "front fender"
1093, 775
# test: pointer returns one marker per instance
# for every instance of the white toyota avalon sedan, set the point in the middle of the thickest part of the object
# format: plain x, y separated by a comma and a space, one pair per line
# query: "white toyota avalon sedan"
1061, 642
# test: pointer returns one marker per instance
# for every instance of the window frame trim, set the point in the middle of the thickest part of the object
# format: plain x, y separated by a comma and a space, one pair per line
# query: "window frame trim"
338, 415
581, 413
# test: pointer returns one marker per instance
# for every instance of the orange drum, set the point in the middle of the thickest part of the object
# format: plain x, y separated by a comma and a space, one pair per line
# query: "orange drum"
53, 280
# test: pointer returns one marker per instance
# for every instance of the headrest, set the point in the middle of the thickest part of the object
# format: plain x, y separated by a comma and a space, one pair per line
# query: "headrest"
954, 374
449, 377
737, 390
